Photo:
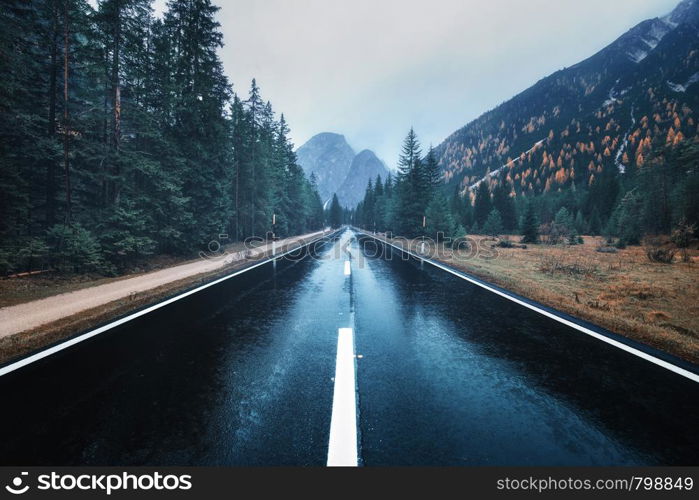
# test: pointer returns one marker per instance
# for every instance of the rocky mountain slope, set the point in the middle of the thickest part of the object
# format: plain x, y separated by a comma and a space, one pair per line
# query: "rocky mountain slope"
365, 166
328, 157
337, 169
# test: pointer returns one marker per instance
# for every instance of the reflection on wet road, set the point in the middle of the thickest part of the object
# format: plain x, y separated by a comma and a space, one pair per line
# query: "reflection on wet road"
446, 374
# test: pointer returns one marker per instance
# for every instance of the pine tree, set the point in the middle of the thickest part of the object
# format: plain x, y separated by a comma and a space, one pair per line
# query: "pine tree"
368, 207
505, 205
595, 223
433, 177
440, 222
493, 225
628, 219
564, 226
336, 215
379, 205
410, 203
530, 224
483, 205
580, 225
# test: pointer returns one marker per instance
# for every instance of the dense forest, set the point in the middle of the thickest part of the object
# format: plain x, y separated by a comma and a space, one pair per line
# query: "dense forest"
658, 197
121, 137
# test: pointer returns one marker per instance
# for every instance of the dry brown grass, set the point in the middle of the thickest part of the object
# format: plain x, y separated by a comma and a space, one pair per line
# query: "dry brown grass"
657, 304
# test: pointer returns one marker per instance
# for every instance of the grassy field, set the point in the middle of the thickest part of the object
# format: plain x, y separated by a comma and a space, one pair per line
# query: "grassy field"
624, 292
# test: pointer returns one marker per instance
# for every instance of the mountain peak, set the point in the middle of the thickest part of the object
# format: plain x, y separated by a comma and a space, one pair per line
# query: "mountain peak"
366, 154
337, 169
328, 136
641, 40
686, 11
328, 157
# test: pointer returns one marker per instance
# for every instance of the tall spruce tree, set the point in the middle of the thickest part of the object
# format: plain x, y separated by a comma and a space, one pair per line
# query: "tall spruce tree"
483, 204
410, 205
335, 216
530, 224
505, 205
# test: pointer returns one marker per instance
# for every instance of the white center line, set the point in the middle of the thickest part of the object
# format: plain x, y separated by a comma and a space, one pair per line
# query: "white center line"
342, 447
348, 268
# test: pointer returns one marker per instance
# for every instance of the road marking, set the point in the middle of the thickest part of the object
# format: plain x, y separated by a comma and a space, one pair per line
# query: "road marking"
348, 268
624, 347
92, 333
342, 447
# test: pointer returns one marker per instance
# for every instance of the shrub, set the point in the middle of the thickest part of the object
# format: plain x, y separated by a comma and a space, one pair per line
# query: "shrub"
661, 255
5, 262
505, 244
33, 254
552, 264
682, 237
74, 248
460, 232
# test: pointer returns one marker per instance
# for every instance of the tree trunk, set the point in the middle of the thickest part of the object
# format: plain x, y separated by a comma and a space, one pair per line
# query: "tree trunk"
66, 116
51, 131
252, 165
106, 193
116, 98
237, 208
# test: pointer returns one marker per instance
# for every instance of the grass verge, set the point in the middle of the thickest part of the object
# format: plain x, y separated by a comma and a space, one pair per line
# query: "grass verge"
656, 304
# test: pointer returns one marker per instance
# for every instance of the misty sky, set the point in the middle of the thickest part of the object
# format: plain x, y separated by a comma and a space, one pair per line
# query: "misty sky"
369, 69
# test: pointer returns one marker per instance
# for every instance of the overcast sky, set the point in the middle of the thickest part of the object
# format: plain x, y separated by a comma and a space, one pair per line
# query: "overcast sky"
369, 69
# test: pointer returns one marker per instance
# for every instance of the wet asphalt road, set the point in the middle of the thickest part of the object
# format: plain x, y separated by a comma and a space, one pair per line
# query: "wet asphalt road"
448, 374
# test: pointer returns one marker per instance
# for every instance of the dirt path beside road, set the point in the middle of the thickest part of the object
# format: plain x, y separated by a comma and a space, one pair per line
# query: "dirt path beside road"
37, 313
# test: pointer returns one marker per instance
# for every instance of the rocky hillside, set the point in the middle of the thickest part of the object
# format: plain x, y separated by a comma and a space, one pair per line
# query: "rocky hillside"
328, 157
365, 166
337, 169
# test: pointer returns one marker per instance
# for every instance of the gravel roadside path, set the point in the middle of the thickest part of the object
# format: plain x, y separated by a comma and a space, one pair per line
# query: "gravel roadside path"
30, 315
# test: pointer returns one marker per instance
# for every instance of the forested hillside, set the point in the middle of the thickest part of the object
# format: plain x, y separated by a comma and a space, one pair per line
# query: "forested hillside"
608, 146
121, 137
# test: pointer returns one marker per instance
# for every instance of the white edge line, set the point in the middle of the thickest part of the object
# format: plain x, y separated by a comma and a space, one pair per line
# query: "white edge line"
342, 442
92, 333
632, 350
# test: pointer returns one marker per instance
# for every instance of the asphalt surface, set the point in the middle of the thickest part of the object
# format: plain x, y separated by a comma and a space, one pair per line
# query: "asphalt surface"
446, 374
